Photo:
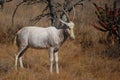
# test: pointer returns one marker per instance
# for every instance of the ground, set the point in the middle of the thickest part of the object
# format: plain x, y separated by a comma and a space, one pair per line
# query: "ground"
74, 63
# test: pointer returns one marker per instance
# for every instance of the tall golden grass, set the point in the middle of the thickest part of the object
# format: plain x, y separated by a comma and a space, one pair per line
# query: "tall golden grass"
86, 58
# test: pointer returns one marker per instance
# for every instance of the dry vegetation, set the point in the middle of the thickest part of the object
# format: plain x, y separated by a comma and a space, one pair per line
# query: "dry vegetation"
86, 58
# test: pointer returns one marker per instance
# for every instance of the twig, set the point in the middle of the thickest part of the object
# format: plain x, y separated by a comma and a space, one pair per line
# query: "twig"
17, 6
38, 18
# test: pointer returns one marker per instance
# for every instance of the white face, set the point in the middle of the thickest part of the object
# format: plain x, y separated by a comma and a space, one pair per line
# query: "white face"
71, 29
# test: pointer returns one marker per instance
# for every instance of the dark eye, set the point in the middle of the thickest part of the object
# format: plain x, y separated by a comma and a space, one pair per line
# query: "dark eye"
68, 27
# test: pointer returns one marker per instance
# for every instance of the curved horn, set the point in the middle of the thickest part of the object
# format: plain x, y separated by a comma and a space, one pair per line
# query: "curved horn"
66, 15
62, 21
73, 13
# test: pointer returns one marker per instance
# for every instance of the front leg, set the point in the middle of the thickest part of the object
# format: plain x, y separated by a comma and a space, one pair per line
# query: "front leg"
56, 60
51, 58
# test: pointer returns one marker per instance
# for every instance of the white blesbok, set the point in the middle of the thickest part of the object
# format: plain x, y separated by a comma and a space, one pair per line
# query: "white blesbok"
49, 38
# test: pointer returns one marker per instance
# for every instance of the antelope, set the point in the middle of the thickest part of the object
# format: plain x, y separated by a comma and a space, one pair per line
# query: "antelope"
50, 38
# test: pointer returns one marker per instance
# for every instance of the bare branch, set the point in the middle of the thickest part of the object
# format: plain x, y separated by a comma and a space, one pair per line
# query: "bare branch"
17, 6
38, 18
54, 7
45, 9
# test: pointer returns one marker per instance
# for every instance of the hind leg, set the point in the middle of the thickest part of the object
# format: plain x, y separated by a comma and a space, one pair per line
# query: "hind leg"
19, 56
21, 62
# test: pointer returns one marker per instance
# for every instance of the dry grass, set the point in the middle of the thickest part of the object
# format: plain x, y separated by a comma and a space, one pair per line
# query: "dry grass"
86, 58
74, 65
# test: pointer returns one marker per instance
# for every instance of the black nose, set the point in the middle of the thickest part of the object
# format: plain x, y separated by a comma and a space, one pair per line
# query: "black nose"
72, 38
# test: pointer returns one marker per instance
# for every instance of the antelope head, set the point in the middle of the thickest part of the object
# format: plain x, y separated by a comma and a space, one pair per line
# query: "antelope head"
70, 25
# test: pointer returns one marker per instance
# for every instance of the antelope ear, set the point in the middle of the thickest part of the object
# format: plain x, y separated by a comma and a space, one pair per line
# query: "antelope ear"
63, 22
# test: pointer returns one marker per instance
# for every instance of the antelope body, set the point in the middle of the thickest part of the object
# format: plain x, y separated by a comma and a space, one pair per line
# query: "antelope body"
38, 37
49, 38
